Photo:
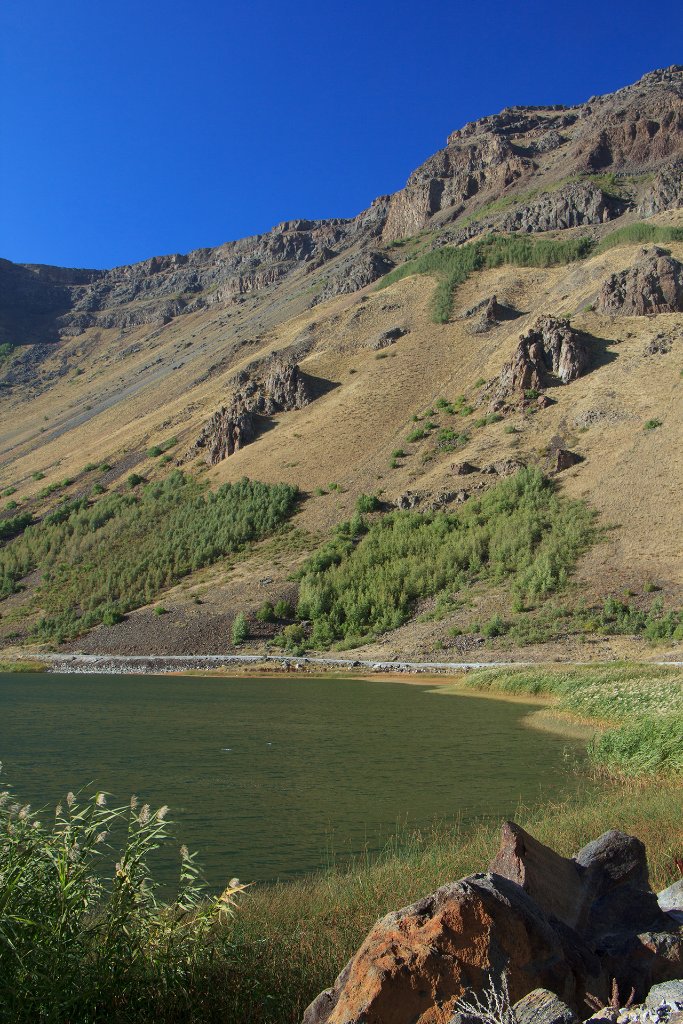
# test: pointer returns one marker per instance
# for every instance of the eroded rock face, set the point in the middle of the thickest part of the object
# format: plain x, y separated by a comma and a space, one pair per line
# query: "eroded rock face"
570, 207
665, 192
551, 346
356, 272
565, 925
278, 387
653, 284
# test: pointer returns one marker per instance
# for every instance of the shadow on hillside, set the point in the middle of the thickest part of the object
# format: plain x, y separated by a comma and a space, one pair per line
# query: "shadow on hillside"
318, 386
599, 350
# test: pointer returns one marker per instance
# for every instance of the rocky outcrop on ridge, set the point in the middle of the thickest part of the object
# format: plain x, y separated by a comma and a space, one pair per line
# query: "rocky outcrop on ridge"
665, 192
571, 926
280, 387
550, 347
356, 272
653, 284
569, 207
634, 129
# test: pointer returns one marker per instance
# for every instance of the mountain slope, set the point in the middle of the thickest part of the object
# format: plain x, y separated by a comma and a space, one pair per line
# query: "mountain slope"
111, 363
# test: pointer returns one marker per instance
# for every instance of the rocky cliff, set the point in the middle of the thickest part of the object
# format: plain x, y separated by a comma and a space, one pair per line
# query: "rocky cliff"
539, 160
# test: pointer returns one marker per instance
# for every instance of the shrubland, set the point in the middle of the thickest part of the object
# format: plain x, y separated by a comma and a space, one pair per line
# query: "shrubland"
368, 578
99, 560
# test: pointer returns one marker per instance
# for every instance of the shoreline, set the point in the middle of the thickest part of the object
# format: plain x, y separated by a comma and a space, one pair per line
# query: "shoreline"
270, 664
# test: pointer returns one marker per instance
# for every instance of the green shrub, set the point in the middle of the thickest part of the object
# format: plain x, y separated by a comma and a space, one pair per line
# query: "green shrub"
97, 489
14, 525
496, 626
292, 639
240, 629
652, 424
104, 467
393, 463
319, 491
158, 449
160, 610
84, 935
266, 612
9, 491
283, 609
134, 480
38, 475
639, 233
11, 505
531, 394
398, 453
367, 503
417, 434
452, 265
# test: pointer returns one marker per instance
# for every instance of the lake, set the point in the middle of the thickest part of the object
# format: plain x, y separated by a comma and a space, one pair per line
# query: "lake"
269, 778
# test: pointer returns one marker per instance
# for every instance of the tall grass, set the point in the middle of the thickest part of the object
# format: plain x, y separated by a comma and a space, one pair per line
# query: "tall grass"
75, 947
453, 265
641, 704
367, 580
638, 233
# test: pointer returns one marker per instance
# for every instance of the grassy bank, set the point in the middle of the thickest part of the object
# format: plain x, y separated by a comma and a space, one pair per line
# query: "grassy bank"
75, 948
640, 706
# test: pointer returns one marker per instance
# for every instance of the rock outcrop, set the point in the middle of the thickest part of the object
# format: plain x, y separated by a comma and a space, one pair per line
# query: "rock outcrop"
279, 387
550, 347
569, 207
636, 128
355, 272
387, 338
633, 132
566, 925
665, 192
653, 284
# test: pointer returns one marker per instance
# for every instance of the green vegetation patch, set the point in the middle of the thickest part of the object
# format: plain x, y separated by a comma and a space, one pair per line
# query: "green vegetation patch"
158, 449
367, 579
453, 265
100, 560
644, 703
639, 233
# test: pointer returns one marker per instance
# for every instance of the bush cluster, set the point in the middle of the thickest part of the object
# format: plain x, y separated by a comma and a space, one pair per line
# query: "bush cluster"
367, 579
100, 560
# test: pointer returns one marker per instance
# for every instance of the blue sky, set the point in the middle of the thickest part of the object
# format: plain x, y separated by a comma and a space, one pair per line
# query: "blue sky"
139, 127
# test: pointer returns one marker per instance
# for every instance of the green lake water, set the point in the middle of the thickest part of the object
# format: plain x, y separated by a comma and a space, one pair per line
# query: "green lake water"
273, 777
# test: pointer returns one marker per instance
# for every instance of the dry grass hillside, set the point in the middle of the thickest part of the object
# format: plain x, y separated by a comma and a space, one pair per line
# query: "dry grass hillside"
107, 395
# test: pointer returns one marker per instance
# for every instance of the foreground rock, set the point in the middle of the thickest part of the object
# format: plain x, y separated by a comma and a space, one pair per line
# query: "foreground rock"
279, 387
569, 926
653, 284
551, 348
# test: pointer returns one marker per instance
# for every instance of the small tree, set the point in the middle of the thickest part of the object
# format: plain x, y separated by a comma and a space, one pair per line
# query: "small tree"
240, 629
